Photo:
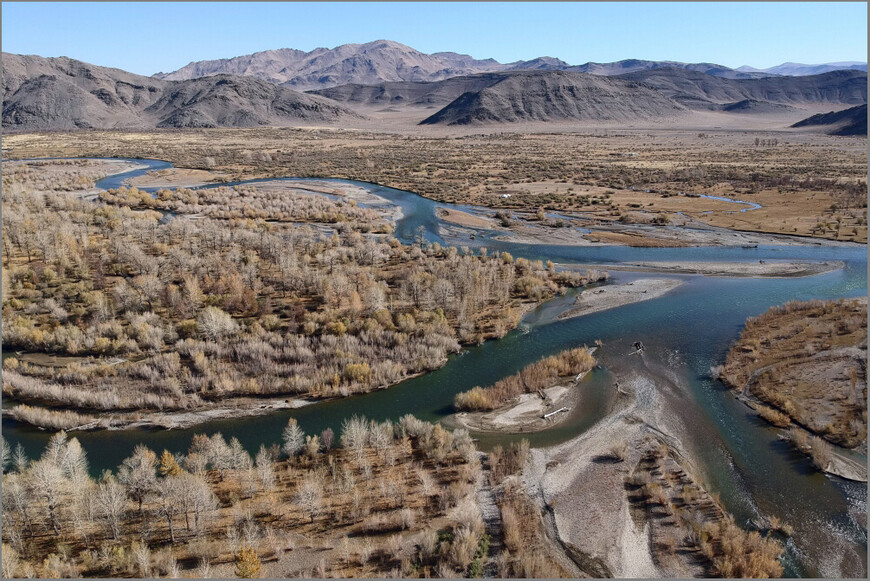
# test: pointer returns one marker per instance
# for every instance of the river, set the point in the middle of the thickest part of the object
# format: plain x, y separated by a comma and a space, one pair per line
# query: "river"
691, 328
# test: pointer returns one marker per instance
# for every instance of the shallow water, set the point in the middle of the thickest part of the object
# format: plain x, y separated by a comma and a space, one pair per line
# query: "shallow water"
690, 328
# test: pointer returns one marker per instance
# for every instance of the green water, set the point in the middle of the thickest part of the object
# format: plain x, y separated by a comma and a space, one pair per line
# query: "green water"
689, 330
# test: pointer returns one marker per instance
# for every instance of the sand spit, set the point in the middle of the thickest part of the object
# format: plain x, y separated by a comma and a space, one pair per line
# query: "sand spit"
176, 178
466, 219
611, 296
759, 269
525, 414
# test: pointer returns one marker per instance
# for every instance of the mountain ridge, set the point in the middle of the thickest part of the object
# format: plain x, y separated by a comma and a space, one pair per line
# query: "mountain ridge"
62, 93
390, 61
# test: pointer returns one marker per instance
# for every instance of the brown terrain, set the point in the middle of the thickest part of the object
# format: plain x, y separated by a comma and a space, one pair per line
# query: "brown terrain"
808, 363
807, 184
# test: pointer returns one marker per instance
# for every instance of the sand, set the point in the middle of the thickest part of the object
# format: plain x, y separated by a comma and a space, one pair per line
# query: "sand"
523, 415
176, 178
461, 218
587, 496
760, 269
607, 297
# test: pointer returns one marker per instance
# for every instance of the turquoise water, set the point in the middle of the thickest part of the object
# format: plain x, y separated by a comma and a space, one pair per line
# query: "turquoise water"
691, 327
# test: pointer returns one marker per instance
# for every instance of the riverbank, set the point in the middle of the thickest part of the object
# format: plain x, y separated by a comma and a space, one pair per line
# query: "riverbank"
607, 297
759, 269
619, 496
530, 413
176, 420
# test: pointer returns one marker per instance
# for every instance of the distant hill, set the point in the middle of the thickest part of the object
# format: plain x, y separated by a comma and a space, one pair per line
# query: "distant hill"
62, 94
556, 96
701, 91
852, 121
798, 69
634, 65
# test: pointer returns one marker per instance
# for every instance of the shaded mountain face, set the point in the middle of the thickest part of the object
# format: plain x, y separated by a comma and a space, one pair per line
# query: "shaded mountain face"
556, 96
64, 94
798, 69
852, 121
701, 91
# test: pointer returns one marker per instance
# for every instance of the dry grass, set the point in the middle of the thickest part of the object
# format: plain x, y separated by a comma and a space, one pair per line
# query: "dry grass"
807, 362
536, 376
810, 185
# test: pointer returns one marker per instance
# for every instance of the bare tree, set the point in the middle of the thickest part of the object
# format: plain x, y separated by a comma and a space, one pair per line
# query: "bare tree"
111, 499
5, 454
138, 474
171, 495
309, 497
265, 469
293, 437
47, 483
355, 435
214, 323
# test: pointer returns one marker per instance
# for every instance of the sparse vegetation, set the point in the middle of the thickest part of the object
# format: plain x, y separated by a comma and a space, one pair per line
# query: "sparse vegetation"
806, 362
396, 496
536, 376
158, 316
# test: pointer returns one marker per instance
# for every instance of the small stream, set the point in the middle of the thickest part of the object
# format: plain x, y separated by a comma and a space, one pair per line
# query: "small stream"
690, 328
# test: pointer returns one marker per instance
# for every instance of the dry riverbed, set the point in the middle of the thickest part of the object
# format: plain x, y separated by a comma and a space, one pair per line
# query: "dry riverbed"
618, 497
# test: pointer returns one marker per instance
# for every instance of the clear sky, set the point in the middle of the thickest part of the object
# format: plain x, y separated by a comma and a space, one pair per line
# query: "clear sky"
149, 37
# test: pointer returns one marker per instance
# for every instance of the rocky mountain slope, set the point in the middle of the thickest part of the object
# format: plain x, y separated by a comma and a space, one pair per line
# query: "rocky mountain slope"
701, 91
556, 95
852, 121
370, 63
385, 61
62, 94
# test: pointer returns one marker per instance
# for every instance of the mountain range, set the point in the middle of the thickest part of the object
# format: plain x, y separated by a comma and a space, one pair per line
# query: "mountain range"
798, 69
63, 94
387, 61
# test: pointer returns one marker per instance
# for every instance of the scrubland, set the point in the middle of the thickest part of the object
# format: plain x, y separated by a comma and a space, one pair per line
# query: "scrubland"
805, 363
380, 499
264, 297
807, 184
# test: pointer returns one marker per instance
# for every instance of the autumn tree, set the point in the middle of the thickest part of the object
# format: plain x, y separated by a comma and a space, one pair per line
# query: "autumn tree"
247, 564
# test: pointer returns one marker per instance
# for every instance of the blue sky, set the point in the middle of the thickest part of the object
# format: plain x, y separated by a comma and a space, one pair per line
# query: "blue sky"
149, 37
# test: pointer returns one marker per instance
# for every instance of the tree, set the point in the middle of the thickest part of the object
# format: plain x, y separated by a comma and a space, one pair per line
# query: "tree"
20, 459
111, 499
309, 497
5, 453
137, 474
214, 323
10, 561
170, 492
197, 497
168, 465
354, 435
47, 483
293, 437
241, 458
247, 564
265, 469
